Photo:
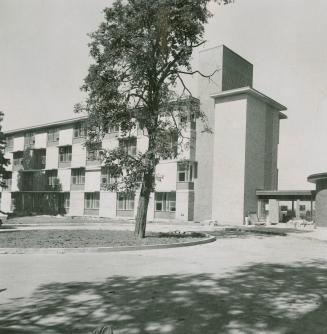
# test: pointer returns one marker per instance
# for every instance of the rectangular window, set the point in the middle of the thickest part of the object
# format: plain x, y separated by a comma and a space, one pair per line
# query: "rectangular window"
9, 142
18, 158
92, 200
79, 130
187, 171
128, 145
78, 176
29, 139
113, 129
53, 135
107, 177
7, 177
65, 154
52, 177
165, 201
125, 201
93, 153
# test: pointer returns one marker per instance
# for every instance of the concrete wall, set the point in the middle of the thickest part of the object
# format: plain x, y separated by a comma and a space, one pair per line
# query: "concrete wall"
14, 183
236, 71
92, 180
41, 140
64, 178
6, 201
107, 204
66, 136
255, 152
209, 61
229, 160
76, 203
78, 155
51, 157
182, 205
18, 143
167, 172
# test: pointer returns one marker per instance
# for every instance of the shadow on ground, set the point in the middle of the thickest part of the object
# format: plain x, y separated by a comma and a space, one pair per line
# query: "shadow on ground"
261, 298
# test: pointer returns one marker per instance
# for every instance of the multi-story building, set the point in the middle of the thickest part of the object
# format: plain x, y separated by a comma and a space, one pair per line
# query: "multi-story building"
52, 171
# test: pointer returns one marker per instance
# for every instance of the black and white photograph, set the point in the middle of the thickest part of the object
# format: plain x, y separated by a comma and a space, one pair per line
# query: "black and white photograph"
162, 167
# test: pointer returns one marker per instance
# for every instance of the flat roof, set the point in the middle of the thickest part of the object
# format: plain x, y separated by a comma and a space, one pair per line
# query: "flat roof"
316, 177
286, 194
251, 91
46, 125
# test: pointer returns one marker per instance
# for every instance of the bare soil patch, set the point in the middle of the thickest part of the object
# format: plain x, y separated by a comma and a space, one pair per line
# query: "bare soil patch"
89, 238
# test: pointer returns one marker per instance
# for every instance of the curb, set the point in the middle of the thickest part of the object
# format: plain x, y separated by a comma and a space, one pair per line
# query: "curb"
6, 251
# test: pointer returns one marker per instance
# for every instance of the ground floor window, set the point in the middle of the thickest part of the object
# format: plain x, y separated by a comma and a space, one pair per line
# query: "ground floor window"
165, 202
92, 200
125, 201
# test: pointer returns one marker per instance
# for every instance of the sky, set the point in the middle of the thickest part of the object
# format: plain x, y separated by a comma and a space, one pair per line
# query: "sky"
44, 57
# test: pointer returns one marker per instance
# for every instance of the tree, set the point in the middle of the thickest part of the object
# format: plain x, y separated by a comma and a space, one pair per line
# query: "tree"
3, 161
141, 52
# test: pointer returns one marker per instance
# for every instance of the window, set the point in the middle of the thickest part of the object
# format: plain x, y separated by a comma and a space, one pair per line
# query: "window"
302, 207
125, 201
113, 128
7, 177
128, 145
53, 135
187, 171
65, 154
17, 158
107, 177
165, 201
79, 130
92, 200
9, 142
78, 176
52, 177
29, 139
93, 153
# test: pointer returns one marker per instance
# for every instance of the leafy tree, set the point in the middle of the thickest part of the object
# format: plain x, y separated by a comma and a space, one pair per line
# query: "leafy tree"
3, 161
141, 52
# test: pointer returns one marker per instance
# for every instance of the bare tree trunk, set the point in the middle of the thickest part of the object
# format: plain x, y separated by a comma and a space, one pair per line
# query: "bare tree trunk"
142, 208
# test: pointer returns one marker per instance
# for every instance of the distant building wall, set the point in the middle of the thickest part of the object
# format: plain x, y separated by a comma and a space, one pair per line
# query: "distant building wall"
229, 160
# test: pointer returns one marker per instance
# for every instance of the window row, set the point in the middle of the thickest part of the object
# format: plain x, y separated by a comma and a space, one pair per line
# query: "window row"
164, 201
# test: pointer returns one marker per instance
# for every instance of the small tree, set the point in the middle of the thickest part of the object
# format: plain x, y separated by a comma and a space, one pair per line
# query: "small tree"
141, 52
3, 161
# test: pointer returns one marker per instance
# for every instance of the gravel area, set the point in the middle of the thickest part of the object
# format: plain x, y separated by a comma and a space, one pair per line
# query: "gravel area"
88, 238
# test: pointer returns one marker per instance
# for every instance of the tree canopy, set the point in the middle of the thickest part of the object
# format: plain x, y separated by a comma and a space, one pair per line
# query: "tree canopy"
140, 53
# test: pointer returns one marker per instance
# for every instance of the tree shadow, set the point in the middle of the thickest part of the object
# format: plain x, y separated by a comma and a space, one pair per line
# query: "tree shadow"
259, 298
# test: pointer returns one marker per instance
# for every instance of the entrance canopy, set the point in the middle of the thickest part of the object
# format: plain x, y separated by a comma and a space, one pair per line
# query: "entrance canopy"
287, 195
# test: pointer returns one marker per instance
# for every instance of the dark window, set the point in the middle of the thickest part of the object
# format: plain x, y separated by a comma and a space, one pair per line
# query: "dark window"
165, 201
128, 145
65, 154
53, 135
186, 171
92, 200
78, 176
79, 130
125, 201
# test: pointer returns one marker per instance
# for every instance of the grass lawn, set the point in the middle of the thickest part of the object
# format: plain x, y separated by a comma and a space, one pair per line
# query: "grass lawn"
87, 238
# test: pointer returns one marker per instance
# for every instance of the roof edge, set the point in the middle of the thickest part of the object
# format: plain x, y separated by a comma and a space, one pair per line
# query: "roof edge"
251, 91
46, 125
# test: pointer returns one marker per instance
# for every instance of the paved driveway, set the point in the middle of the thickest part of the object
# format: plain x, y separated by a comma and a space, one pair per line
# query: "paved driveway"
234, 285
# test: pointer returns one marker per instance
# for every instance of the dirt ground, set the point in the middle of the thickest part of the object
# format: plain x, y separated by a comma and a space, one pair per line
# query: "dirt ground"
87, 238
249, 284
